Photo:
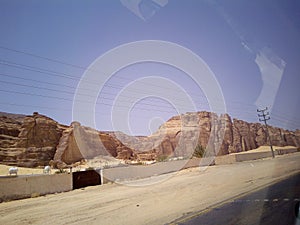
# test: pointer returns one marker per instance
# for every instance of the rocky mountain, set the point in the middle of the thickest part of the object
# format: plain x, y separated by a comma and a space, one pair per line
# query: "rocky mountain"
36, 140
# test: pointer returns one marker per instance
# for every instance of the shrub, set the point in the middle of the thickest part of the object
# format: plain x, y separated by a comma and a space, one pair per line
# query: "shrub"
162, 158
60, 171
199, 151
90, 168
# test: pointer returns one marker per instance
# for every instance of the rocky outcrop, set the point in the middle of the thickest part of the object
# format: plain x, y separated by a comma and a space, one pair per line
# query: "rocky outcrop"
35, 140
248, 136
29, 142
78, 142
220, 135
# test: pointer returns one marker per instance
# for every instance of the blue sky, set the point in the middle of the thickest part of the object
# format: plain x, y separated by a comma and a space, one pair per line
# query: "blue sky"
252, 48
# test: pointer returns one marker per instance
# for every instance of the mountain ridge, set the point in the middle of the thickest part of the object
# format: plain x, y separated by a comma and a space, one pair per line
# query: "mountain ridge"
36, 140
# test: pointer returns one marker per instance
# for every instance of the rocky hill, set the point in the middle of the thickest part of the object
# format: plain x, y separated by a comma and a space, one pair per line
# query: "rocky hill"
28, 141
35, 140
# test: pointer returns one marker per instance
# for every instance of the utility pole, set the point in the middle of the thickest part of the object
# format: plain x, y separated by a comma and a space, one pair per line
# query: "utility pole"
265, 117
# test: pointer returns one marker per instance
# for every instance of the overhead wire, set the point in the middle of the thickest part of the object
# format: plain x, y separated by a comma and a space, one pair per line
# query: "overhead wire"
68, 76
56, 90
63, 62
56, 73
67, 92
71, 100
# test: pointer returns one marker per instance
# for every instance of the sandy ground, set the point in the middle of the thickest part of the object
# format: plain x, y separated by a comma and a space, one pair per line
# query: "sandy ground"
187, 191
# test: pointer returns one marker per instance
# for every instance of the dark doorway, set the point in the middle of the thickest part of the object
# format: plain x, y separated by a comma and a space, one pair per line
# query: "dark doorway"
86, 178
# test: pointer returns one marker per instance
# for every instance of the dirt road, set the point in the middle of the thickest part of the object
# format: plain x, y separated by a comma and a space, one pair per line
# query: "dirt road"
187, 191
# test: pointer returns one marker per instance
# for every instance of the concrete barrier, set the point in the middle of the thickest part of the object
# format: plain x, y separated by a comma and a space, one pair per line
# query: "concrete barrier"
225, 159
18, 187
285, 151
144, 171
251, 155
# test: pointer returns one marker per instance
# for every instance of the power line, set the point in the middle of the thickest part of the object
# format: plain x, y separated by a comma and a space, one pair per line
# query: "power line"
43, 57
55, 73
102, 103
56, 90
54, 60
34, 106
142, 103
65, 75
277, 117
32, 94
68, 76
41, 88
61, 91
97, 113
38, 70
106, 98
38, 81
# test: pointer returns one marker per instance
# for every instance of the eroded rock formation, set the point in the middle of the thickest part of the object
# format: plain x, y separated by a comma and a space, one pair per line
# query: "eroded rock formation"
78, 142
35, 140
30, 141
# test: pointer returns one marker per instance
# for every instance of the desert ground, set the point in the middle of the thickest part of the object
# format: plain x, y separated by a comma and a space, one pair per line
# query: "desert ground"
95, 163
186, 191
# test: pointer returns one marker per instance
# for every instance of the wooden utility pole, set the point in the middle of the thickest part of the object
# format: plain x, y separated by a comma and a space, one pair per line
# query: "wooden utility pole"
265, 116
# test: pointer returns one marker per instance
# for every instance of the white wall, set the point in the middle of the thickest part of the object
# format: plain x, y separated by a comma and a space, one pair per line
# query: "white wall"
16, 187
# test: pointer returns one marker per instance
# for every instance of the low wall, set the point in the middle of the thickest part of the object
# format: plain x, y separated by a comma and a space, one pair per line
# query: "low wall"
285, 151
141, 171
248, 156
252, 156
144, 171
17, 187
225, 159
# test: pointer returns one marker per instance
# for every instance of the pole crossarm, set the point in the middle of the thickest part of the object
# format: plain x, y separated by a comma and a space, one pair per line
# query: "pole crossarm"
263, 116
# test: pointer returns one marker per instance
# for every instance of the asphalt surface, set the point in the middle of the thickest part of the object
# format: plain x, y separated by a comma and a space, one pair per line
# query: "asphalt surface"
275, 204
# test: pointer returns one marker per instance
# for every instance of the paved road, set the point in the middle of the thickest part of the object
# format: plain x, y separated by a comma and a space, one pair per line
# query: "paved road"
276, 204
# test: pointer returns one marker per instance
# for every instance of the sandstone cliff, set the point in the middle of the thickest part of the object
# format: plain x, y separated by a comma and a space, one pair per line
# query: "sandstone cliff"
29, 141
78, 142
35, 140
222, 135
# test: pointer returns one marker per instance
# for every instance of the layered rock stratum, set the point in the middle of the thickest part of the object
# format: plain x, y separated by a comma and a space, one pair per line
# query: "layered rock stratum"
28, 141
35, 140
